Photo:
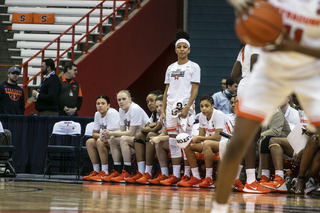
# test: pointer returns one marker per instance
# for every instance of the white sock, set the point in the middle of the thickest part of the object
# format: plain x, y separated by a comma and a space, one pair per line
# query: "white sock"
187, 170
117, 163
239, 171
209, 172
96, 167
127, 163
280, 173
176, 170
149, 169
165, 171
195, 172
251, 175
105, 168
219, 208
141, 166
265, 172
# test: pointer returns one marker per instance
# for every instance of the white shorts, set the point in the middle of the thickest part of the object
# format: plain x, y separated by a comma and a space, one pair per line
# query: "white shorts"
266, 91
175, 125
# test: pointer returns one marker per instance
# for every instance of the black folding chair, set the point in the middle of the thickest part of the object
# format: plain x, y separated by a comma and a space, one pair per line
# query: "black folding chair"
6, 150
63, 149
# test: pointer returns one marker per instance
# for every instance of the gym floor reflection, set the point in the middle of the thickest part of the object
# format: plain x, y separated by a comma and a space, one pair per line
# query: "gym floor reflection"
58, 195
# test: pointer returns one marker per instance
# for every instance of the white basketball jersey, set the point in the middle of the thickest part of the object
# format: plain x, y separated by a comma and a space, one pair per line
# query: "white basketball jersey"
180, 79
244, 57
111, 121
301, 19
218, 121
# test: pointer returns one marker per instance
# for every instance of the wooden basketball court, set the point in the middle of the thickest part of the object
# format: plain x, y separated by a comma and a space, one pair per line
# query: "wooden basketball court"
35, 194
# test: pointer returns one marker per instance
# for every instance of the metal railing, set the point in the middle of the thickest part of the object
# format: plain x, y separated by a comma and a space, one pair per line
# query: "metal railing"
26, 81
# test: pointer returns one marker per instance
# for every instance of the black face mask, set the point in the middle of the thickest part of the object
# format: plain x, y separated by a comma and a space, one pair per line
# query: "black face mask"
228, 95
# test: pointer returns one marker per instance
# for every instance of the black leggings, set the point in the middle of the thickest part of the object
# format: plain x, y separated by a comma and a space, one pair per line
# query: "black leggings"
264, 148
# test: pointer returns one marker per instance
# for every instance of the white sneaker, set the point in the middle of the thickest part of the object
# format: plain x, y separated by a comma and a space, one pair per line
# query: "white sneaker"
310, 186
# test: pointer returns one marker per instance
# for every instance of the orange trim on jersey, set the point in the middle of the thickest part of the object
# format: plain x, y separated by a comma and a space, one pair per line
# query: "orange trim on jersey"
248, 115
171, 129
228, 128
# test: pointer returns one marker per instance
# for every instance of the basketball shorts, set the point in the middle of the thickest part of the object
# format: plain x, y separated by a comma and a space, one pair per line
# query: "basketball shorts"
266, 91
176, 125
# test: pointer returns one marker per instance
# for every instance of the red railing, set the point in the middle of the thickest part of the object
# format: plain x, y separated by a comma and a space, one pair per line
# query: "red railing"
26, 81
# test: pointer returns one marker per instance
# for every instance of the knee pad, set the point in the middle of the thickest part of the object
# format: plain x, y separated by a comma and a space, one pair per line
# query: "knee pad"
175, 151
138, 141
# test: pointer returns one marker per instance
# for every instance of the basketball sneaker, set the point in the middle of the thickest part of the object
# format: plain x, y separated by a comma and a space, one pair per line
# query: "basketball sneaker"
184, 179
112, 175
192, 182
278, 184
255, 187
93, 173
310, 186
121, 178
238, 186
144, 179
264, 179
134, 178
170, 180
98, 176
156, 181
207, 182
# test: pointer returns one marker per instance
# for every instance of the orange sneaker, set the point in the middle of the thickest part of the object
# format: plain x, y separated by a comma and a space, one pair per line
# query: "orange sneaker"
112, 175
184, 179
170, 180
93, 173
144, 179
156, 181
98, 176
207, 182
134, 178
278, 184
264, 179
255, 187
121, 178
238, 186
192, 182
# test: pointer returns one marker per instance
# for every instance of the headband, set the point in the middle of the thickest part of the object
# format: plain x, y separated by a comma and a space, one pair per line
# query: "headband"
184, 41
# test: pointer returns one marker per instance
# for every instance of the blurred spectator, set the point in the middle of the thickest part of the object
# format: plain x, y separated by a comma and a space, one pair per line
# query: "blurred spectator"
221, 99
70, 98
47, 95
11, 95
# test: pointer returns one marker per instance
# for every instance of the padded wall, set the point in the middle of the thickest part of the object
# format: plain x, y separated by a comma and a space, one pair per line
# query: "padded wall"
122, 58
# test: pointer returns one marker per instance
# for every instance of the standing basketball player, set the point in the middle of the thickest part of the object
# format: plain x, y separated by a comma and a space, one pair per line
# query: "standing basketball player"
291, 66
182, 81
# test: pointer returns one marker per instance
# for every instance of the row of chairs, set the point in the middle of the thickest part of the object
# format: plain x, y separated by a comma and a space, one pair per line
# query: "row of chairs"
66, 150
6, 150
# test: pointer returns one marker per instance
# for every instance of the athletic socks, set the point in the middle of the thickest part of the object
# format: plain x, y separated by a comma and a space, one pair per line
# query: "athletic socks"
251, 175
195, 173
141, 166
105, 168
96, 167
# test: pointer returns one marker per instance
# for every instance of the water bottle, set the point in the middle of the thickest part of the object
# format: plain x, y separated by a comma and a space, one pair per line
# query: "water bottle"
288, 177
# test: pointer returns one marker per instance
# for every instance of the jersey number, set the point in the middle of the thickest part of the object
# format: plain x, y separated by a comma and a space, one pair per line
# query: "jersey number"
297, 33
